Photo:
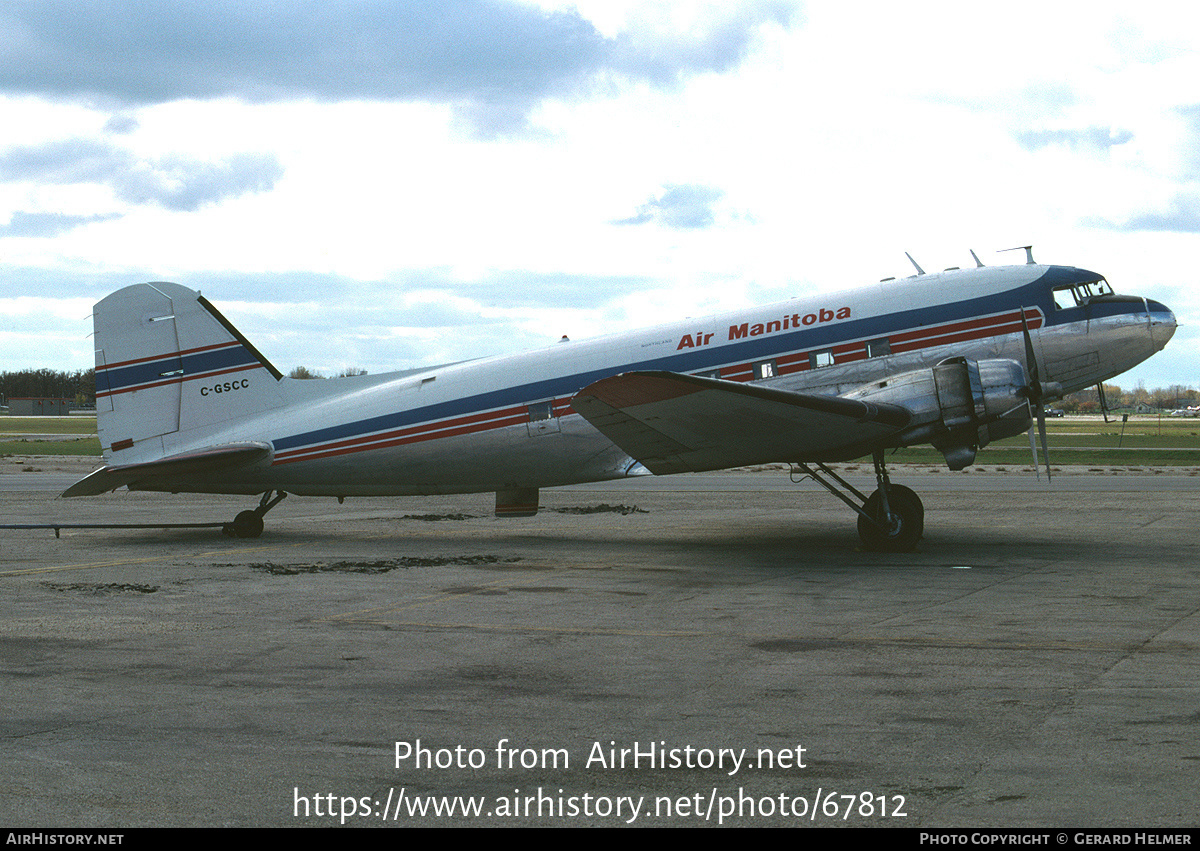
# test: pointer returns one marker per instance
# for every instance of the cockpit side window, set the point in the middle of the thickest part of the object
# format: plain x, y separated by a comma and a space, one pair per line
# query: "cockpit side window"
1077, 295
1064, 297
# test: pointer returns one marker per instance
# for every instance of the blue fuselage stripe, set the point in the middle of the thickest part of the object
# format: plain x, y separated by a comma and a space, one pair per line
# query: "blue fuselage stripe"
1036, 294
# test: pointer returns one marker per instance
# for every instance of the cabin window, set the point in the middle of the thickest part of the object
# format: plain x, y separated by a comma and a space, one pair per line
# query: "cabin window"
539, 411
711, 373
878, 348
819, 359
1064, 298
765, 369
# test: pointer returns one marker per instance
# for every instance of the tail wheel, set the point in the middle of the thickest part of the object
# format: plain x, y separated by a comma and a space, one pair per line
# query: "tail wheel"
248, 524
900, 532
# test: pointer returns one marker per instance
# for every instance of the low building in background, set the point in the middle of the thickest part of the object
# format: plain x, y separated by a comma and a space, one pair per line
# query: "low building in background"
39, 406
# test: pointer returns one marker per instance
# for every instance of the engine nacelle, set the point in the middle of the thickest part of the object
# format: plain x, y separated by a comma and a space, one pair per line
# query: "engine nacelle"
959, 405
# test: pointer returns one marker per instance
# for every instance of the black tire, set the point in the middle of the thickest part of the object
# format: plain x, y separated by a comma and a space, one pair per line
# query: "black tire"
906, 528
248, 524
900, 492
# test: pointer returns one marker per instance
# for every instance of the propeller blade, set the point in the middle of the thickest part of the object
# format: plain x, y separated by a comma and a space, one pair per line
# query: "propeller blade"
1033, 449
1041, 422
1031, 367
1036, 394
1103, 401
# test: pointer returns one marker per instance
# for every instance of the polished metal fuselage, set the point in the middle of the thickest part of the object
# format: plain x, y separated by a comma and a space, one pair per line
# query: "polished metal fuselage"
506, 422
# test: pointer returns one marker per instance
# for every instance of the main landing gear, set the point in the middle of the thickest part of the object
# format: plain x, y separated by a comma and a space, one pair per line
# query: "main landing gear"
892, 519
249, 523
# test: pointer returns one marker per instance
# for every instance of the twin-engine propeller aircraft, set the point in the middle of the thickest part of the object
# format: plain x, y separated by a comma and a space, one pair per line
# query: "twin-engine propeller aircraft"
956, 359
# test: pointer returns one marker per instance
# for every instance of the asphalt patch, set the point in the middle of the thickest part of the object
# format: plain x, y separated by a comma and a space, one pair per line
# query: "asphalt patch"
376, 566
439, 516
602, 508
101, 590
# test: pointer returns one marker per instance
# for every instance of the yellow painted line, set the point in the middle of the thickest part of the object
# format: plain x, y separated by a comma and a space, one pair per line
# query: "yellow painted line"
419, 601
89, 566
148, 560
491, 627
369, 617
987, 644
1078, 647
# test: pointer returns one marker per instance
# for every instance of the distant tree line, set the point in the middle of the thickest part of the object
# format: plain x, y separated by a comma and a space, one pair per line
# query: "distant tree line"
1087, 401
305, 372
78, 386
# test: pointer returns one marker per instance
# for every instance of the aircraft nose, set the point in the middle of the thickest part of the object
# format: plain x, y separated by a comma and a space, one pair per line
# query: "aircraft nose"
1162, 322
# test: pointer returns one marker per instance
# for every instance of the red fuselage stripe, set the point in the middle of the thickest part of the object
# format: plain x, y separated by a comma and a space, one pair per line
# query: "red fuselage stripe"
905, 341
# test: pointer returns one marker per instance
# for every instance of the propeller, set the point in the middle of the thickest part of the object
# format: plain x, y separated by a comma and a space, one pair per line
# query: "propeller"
1037, 392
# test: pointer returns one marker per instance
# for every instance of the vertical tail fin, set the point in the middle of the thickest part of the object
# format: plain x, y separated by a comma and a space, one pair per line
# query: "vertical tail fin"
168, 363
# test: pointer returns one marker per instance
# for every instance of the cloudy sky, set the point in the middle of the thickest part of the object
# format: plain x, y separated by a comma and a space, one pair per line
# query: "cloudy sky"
385, 183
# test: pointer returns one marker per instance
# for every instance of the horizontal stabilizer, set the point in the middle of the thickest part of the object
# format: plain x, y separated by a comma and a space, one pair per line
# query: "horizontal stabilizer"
675, 423
211, 460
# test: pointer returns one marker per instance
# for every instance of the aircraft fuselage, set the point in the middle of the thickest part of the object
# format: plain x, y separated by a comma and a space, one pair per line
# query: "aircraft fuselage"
506, 422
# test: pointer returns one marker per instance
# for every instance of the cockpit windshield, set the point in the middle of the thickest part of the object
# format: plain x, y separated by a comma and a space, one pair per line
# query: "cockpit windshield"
1077, 295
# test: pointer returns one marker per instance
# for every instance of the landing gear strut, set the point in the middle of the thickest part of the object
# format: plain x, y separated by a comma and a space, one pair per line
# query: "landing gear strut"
892, 519
249, 523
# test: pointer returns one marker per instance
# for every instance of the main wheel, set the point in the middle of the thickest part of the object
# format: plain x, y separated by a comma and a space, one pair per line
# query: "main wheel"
899, 534
248, 524
900, 492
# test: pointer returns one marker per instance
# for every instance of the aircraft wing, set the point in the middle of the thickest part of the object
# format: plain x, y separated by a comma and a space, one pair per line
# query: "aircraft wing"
203, 461
675, 423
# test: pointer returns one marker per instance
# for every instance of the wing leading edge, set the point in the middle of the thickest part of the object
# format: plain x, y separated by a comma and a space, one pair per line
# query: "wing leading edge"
675, 423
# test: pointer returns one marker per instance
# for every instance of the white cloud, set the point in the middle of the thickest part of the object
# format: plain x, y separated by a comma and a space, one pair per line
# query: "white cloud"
24, 224
309, 155
495, 58
678, 206
173, 182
